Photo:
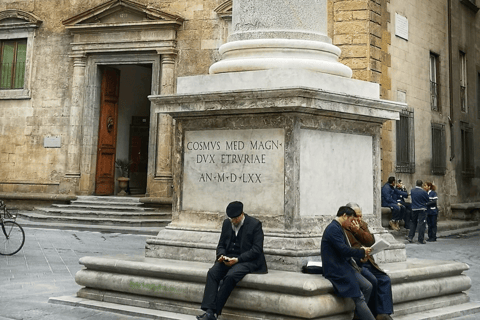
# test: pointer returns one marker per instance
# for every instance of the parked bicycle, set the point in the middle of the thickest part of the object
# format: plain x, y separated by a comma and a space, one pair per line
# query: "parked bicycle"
12, 236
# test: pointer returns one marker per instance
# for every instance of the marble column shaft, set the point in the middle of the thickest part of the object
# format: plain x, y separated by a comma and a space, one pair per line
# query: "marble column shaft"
76, 116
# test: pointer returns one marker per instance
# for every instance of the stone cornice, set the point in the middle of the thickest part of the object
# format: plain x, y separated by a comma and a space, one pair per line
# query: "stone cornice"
225, 9
302, 100
26, 19
152, 14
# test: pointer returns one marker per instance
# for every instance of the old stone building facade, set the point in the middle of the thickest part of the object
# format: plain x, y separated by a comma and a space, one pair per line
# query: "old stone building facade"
76, 96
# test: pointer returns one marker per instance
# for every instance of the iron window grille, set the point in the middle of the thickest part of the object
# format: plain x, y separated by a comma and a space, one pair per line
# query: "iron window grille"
439, 150
434, 82
468, 168
405, 141
463, 81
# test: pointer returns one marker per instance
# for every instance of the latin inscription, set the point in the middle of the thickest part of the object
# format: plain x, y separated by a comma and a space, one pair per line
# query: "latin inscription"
233, 152
220, 165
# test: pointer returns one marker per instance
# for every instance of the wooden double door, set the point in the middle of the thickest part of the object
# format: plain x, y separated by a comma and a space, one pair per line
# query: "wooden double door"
107, 132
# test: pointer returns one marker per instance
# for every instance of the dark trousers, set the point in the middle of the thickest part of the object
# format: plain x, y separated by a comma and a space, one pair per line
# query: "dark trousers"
215, 297
381, 301
432, 226
396, 213
408, 214
418, 219
361, 307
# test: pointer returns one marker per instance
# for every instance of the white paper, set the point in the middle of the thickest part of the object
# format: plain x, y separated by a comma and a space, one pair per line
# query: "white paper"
314, 264
380, 245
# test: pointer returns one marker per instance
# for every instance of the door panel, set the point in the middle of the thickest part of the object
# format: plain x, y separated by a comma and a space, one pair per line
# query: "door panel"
107, 133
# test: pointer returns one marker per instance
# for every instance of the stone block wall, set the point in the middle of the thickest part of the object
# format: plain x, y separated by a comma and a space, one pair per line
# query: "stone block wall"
25, 165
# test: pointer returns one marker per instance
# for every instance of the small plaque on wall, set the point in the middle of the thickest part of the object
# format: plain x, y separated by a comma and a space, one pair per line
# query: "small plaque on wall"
401, 26
52, 142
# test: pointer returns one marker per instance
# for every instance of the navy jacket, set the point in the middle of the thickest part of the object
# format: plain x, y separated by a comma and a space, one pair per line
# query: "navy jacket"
251, 247
432, 205
419, 198
336, 253
400, 195
389, 198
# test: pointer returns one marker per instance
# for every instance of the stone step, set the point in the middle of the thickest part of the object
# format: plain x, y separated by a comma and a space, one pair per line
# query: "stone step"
74, 212
114, 221
146, 231
102, 207
109, 199
107, 203
419, 287
450, 312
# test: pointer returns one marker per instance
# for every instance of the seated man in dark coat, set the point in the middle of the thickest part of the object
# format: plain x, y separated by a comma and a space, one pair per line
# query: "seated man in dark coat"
339, 267
381, 301
239, 252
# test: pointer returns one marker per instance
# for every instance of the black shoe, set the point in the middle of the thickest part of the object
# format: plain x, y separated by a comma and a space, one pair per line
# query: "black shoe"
430, 240
410, 240
422, 242
207, 316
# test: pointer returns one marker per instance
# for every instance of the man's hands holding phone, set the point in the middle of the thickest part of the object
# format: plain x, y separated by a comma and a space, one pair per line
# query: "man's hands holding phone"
227, 260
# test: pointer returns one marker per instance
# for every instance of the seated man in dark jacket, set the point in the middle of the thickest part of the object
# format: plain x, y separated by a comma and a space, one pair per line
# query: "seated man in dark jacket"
341, 269
239, 252
381, 301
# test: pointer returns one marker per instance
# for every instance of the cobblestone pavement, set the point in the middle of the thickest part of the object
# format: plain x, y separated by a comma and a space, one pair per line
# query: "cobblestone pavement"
46, 267
462, 248
47, 264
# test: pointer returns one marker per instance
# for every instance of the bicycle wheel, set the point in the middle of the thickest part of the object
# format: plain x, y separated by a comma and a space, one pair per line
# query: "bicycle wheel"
12, 238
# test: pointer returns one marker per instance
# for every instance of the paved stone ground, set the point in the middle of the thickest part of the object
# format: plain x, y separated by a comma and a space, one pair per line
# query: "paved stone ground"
47, 264
46, 267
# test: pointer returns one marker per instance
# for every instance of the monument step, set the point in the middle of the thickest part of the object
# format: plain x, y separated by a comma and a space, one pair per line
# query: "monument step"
77, 212
418, 286
137, 222
450, 312
106, 203
103, 206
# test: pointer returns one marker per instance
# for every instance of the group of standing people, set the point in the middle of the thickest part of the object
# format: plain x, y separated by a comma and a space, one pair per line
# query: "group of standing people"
421, 212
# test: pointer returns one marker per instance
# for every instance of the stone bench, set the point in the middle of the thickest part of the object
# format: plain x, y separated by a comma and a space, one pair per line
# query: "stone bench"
177, 286
386, 217
466, 211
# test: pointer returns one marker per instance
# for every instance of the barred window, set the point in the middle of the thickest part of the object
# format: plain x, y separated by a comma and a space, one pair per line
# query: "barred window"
439, 152
13, 54
405, 143
478, 95
434, 81
468, 168
463, 81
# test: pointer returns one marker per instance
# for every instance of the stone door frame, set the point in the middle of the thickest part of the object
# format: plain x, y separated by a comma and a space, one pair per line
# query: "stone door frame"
91, 112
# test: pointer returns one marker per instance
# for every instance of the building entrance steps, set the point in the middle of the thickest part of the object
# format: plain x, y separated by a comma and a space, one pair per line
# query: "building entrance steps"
432, 287
107, 214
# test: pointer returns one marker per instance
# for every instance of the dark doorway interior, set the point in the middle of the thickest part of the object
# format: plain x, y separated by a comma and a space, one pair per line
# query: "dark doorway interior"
132, 129
133, 123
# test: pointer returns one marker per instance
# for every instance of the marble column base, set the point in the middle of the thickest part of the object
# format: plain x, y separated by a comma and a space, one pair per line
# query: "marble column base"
174, 285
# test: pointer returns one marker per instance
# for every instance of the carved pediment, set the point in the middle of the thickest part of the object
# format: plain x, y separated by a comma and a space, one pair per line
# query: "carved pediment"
225, 9
118, 12
17, 18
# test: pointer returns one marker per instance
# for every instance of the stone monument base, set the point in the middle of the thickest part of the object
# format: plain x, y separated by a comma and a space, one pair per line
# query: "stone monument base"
418, 286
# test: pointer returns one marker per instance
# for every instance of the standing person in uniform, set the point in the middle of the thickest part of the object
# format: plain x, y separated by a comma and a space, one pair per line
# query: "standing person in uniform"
419, 212
432, 212
381, 301
389, 200
402, 195
339, 267
239, 252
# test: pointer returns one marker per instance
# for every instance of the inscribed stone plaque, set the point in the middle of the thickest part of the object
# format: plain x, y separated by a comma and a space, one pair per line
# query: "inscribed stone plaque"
401, 26
335, 168
221, 166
